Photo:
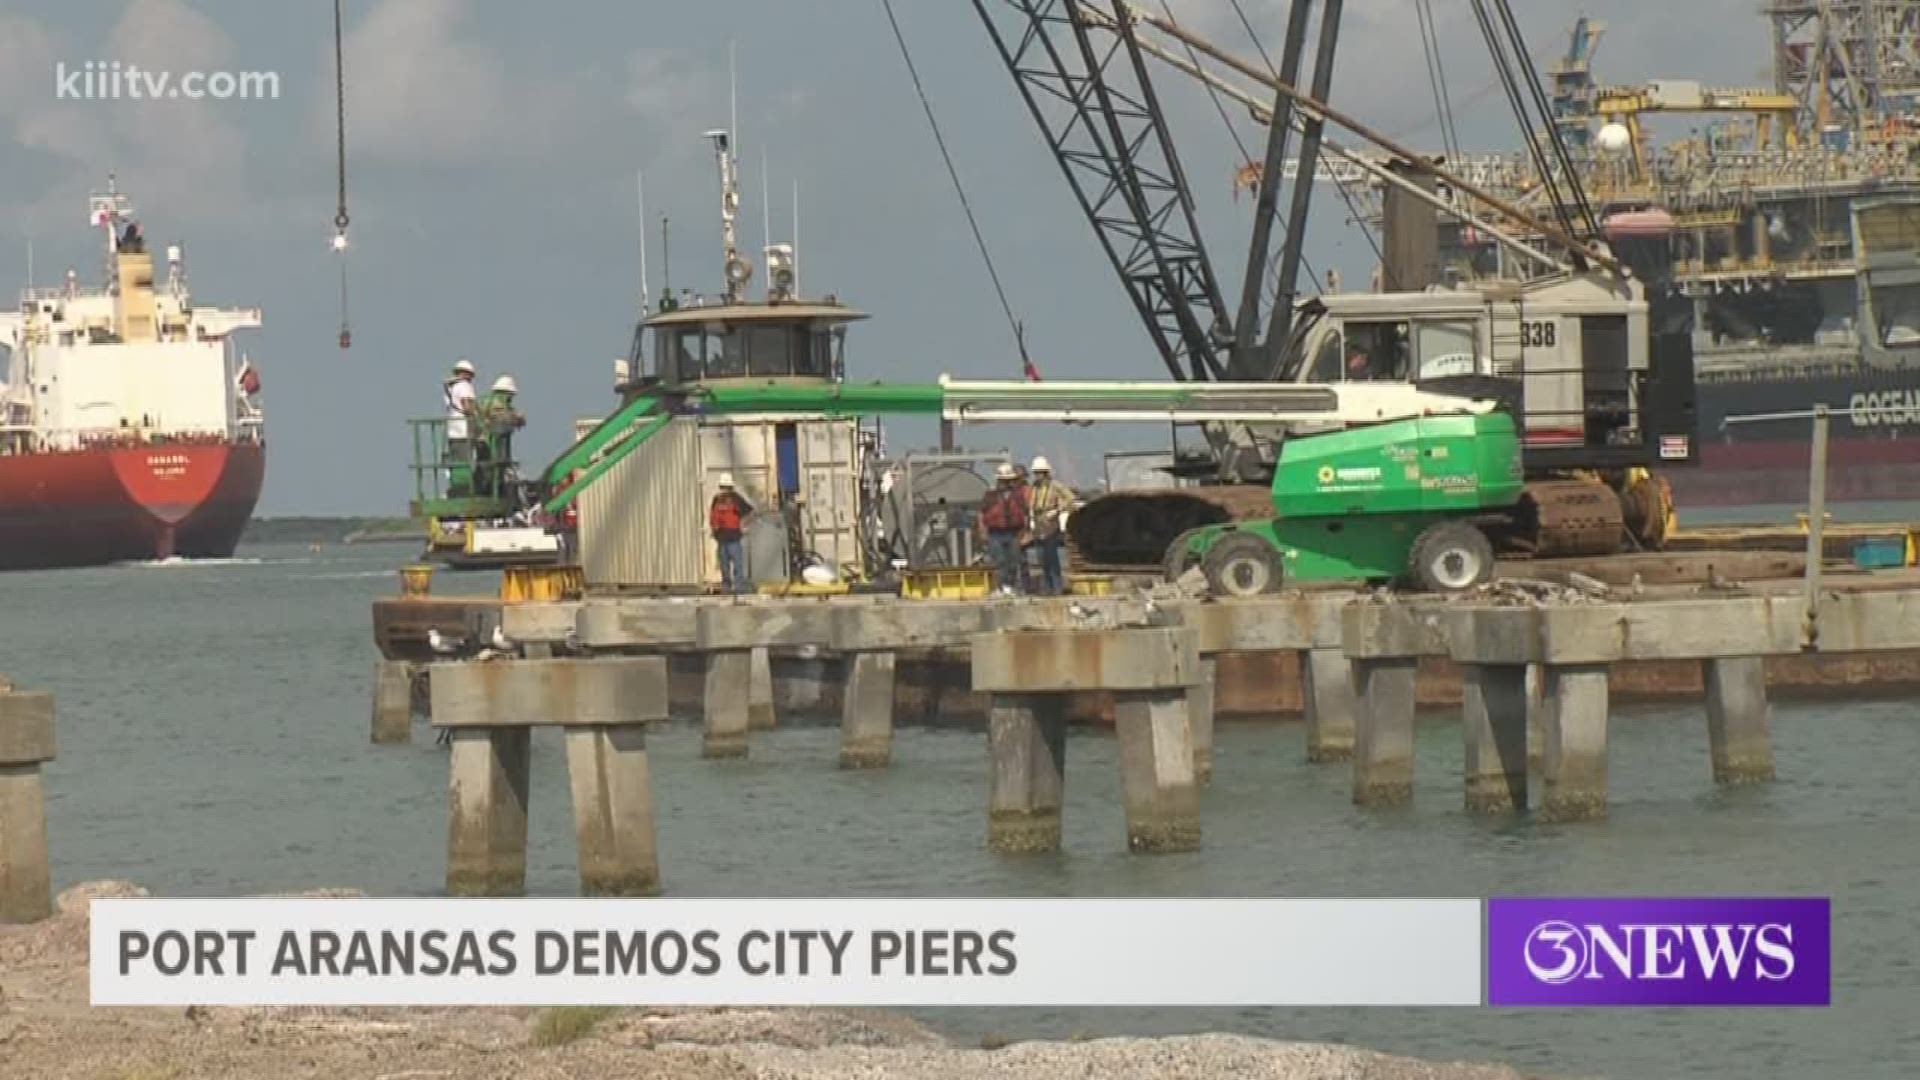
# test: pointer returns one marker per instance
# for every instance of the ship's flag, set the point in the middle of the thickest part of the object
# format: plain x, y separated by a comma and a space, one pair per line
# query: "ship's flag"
247, 379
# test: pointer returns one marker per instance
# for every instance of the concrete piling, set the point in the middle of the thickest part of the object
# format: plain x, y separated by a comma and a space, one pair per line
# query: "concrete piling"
1027, 744
1150, 670
761, 715
1326, 678
1494, 724
1739, 720
1200, 715
1573, 715
866, 715
602, 706
392, 703
613, 810
1157, 783
26, 743
487, 837
1536, 716
1383, 745
726, 709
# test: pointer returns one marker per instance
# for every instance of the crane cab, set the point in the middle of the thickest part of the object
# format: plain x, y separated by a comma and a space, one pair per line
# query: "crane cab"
1571, 356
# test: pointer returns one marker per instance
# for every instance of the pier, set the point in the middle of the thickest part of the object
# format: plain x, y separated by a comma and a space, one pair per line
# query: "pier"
1535, 662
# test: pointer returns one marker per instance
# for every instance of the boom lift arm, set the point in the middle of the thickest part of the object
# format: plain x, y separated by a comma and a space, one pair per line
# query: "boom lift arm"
968, 401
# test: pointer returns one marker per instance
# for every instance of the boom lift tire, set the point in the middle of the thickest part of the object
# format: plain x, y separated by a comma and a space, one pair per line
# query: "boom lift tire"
1180, 557
1242, 564
1452, 556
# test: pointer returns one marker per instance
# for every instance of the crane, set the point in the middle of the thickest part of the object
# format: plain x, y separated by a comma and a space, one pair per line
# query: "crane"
1571, 350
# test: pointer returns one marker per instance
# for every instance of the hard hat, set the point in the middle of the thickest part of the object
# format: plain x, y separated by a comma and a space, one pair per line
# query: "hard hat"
464, 367
505, 385
726, 480
1040, 465
1006, 472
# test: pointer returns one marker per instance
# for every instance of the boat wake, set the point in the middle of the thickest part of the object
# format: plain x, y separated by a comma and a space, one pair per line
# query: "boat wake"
178, 561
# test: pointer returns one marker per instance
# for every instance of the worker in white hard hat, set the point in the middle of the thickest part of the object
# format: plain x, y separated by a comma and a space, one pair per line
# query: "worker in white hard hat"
1004, 517
726, 520
1049, 501
498, 421
462, 410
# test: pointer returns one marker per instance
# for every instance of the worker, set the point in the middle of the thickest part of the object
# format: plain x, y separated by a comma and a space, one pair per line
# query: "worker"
461, 410
1003, 518
726, 516
1049, 501
498, 421
1358, 365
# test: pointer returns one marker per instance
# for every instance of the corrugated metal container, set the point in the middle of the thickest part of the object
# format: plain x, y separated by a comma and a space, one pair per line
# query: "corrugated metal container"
829, 456
644, 521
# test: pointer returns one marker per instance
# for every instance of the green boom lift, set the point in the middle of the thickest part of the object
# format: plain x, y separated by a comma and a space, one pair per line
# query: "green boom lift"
1397, 491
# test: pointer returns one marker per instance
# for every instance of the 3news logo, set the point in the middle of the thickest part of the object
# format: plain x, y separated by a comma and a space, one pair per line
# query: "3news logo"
1653, 952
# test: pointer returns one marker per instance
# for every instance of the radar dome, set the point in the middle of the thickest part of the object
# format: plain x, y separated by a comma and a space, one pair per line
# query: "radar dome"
1614, 139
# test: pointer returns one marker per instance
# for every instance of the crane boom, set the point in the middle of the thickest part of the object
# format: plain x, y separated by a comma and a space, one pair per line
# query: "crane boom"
1097, 111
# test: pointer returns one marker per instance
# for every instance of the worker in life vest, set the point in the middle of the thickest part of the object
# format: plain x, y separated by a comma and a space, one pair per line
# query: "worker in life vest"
462, 409
499, 419
1049, 500
726, 516
1004, 516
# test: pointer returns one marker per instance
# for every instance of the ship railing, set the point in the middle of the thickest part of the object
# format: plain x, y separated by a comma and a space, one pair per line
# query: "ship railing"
70, 439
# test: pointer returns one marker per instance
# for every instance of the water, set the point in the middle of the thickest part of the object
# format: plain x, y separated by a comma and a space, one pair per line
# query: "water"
213, 740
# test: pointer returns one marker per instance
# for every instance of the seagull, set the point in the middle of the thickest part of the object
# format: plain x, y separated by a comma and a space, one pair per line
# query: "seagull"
500, 641
1080, 611
441, 644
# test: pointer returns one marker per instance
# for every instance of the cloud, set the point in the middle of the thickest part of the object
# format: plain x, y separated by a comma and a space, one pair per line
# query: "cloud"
1381, 74
423, 86
662, 84
188, 155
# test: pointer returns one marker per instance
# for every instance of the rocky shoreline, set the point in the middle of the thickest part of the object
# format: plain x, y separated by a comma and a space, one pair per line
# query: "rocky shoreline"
49, 1032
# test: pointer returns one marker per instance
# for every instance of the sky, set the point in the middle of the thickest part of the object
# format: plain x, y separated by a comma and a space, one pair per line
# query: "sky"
493, 151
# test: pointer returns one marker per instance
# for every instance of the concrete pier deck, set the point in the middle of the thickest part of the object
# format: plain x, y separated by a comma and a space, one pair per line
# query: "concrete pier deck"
1536, 668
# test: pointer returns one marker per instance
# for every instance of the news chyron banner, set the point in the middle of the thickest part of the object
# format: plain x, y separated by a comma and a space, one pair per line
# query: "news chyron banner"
1053, 952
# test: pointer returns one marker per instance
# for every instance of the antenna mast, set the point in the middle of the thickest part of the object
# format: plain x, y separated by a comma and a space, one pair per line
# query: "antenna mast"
640, 187
738, 270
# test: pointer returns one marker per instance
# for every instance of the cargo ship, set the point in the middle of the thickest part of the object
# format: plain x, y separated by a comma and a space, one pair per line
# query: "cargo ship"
130, 428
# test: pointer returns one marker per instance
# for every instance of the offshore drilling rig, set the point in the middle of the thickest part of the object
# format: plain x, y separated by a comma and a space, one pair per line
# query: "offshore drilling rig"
1781, 233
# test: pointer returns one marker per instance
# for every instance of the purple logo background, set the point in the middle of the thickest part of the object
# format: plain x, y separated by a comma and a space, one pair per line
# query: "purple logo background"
1541, 951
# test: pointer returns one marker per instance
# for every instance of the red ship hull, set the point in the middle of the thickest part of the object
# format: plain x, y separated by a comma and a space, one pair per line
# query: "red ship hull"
1775, 473
126, 504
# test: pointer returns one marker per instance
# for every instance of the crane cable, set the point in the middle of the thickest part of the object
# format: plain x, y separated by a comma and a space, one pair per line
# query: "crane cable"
1353, 209
1547, 117
1019, 329
1219, 106
1437, 77
340, 219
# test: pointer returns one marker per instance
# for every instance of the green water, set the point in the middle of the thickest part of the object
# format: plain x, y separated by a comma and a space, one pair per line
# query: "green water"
213, 740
